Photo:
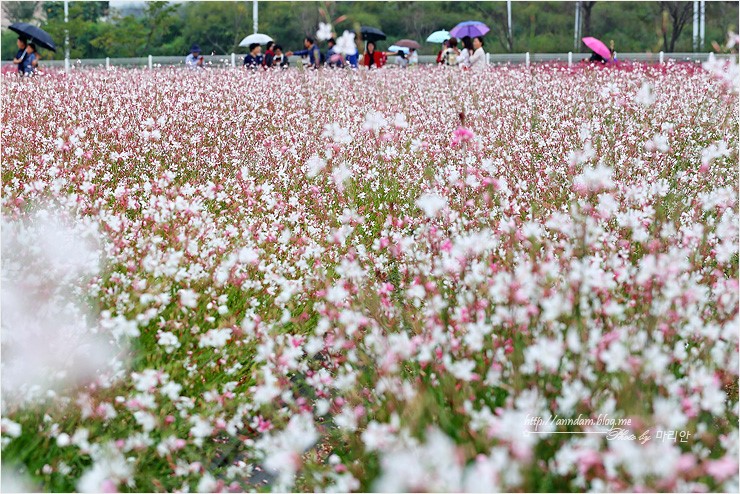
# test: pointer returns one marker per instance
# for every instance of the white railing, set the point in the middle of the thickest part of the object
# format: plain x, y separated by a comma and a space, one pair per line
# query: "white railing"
235, 60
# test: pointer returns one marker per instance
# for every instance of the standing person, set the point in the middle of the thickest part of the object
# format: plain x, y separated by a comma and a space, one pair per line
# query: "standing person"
311, 51
451, 55
194, 60
445, 45
413, 57
254, 57
280, 60
20, 56
478, 58
466, 52
372, 58
269, 57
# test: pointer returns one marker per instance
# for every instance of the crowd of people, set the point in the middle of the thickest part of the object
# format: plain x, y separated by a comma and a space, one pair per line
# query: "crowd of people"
470, 55
313, 57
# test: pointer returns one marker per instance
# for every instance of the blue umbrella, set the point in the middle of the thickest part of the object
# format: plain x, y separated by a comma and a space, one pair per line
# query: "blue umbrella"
396, 48
469, 28
34, 34
438, 36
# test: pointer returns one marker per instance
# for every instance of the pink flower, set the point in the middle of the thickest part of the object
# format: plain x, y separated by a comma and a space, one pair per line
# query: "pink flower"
462, 134
723, 468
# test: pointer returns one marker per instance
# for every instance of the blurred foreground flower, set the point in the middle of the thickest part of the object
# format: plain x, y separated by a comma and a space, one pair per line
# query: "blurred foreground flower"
48, 340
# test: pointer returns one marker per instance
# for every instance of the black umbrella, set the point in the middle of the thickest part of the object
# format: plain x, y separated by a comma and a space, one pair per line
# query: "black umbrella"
34, 35
371, 33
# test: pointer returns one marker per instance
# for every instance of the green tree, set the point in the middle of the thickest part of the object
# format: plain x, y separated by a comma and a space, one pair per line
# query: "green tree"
217, 27
162, 24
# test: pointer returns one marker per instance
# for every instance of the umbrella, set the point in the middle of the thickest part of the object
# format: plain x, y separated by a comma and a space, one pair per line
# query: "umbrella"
409, 43
598, 47
397, 48
469, 28
34, 35
371, 33
438, 36
255, 38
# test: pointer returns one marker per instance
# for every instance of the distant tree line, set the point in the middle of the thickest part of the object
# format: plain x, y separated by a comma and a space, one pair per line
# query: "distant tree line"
164, 28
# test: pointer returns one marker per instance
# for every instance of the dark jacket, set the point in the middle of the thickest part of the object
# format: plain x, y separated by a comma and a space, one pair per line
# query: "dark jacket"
314, 55
252, 61
268, 59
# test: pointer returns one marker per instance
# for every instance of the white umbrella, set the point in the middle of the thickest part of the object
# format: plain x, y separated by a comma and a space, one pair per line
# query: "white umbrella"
255, 38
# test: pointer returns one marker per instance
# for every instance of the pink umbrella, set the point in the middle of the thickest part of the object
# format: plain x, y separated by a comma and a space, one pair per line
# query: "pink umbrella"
598, 47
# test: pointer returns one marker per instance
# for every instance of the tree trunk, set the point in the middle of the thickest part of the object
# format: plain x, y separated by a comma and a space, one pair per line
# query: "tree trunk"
586, 8
680, 13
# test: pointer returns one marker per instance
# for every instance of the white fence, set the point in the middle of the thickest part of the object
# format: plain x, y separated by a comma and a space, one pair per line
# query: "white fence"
235, 60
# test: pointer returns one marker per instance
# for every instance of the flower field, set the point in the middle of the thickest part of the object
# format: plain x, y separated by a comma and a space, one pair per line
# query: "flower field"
524, 279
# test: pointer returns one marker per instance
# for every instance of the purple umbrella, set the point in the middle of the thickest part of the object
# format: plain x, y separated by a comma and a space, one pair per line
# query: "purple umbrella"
469, 28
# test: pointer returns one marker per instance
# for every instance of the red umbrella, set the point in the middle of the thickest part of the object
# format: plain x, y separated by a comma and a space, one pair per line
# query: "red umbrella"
408, 43
598, 47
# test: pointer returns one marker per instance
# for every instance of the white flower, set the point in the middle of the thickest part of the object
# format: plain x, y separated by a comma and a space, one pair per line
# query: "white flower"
714, 151
659, 143
110, 469
374, 121
340, 175
314, 165
248, 255
324, 32
207, 483
595, 178
147, 421
336, 294
188, 298
282, 450
215, 338
201, 428
337, 133
728, 71
431, 204
168, 340
645, 96
346, 44
10, 428
399, 121
433, 466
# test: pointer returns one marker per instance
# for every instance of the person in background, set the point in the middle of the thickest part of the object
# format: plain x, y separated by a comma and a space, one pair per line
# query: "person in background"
595, 57
20, 56
445, 45
333, 59
194, 60
465, 52
269, 58
254, 57
402, 59
280, 60
372, 59
311, 51
354, 59
478, 58
31, 61
413, 57
451, 55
